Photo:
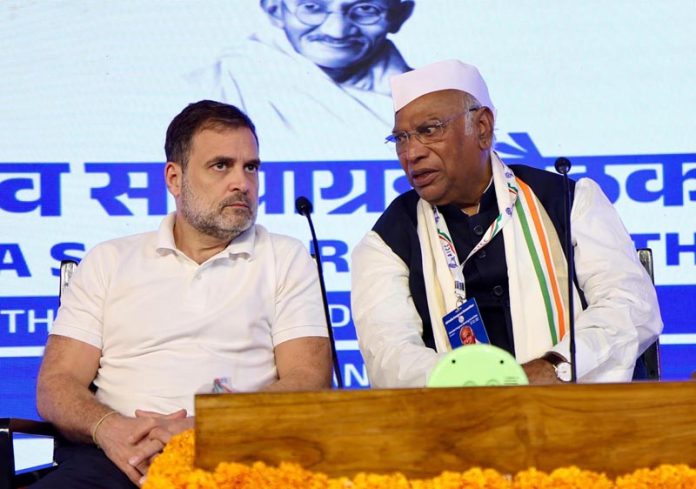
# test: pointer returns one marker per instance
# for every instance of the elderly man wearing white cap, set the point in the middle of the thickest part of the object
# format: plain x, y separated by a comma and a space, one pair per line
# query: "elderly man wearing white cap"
481, 236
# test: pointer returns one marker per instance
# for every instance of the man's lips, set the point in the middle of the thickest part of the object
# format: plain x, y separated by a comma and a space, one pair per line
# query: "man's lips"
422, 178
331, 42
237, 205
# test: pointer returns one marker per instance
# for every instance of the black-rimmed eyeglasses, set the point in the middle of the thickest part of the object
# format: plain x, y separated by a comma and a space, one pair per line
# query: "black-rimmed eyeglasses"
315, 13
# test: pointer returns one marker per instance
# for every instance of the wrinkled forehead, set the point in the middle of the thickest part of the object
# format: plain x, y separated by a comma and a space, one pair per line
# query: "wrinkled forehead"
430, 106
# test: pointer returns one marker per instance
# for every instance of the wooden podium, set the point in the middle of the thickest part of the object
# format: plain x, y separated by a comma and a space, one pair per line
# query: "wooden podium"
611, 428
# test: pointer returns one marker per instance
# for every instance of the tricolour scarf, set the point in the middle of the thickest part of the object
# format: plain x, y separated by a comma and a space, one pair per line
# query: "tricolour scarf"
536, 264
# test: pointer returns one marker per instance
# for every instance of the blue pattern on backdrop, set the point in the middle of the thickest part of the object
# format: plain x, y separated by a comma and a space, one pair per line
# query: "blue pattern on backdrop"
24, 321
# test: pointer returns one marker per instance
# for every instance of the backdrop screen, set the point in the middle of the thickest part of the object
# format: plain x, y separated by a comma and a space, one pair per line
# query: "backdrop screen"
87, 90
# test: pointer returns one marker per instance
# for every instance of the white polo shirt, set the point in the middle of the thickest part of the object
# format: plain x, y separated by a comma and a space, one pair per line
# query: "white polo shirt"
167, 326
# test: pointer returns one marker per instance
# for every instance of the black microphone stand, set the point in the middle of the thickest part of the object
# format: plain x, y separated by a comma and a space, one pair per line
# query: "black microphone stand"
563, 167
304, 207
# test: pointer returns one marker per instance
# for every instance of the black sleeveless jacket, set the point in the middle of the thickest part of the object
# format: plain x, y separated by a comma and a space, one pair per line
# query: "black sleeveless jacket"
486, 271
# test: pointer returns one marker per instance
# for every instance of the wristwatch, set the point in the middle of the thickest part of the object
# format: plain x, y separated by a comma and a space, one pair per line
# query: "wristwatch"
560, 365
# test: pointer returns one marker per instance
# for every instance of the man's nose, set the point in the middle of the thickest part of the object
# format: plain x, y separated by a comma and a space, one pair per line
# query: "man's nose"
415, 150
238, 180
338, 25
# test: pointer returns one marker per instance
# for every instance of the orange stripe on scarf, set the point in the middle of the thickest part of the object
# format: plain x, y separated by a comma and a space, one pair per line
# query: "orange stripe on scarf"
547, 255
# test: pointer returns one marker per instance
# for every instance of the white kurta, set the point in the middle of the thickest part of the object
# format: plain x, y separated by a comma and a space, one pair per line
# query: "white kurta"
621, 320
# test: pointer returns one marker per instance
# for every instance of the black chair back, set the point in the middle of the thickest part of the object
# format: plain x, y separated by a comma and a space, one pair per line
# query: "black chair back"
648, 364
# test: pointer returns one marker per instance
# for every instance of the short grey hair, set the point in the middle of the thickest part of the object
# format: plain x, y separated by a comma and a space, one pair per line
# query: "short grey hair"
471, 102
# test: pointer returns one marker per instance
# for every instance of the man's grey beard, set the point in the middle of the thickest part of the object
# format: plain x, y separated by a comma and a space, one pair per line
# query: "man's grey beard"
212, 223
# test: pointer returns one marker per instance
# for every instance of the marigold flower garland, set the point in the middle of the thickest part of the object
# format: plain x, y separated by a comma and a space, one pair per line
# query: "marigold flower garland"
174, 469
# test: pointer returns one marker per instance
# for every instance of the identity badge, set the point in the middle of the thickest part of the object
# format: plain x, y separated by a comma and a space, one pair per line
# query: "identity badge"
464, 325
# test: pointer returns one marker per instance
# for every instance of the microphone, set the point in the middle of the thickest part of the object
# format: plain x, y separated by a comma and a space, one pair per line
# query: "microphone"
563, 167
304, 208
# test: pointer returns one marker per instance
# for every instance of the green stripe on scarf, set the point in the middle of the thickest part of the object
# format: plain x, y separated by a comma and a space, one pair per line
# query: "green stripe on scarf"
537, 268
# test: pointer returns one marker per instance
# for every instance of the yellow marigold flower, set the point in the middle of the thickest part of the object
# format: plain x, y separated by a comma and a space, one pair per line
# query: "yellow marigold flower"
174, 469
662, 477
562, 478
529, 479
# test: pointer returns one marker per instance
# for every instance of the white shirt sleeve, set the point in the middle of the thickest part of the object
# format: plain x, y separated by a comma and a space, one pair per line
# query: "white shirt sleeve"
299, 310
623, 317
81, 312
386, 321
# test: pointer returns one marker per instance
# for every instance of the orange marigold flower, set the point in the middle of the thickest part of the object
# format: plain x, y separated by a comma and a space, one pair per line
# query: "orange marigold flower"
662, 477
174, 469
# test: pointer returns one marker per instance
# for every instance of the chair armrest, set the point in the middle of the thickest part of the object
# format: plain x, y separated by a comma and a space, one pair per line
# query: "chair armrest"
8, 427
28, 426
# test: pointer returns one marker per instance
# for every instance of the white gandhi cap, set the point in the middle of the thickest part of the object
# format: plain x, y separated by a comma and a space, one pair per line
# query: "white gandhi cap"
443, 75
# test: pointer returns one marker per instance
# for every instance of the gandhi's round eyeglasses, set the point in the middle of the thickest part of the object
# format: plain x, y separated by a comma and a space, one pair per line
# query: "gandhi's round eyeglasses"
315, 13
427, 133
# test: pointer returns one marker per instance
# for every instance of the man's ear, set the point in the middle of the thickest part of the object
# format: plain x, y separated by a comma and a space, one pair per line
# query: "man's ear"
399, 14
484, 128
274, 10
173, 177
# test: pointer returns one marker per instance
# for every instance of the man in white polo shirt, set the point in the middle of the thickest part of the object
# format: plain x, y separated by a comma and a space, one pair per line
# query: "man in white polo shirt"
153, 318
